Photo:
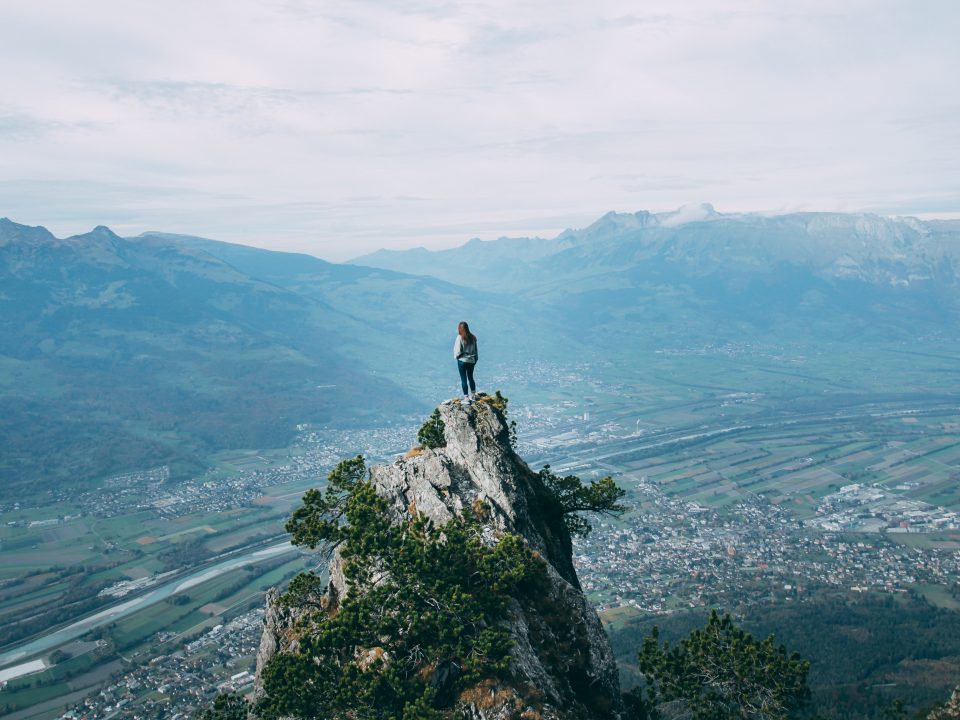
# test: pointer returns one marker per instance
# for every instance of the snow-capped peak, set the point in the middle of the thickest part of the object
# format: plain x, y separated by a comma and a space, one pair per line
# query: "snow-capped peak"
691, 212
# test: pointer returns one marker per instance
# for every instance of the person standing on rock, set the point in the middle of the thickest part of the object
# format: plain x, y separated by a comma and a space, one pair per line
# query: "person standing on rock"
465, 353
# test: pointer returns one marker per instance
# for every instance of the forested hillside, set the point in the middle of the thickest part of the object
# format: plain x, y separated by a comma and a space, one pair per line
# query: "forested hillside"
865, 651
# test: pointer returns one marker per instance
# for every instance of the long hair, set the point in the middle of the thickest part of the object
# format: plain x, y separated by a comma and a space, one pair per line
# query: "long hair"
465, 333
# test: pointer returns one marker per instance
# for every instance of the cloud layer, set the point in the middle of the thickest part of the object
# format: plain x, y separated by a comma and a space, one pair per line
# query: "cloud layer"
338, 127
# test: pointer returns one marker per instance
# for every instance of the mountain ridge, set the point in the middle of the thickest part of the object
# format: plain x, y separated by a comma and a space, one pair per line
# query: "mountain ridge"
194, 329
697, 273
119, 354
824, 232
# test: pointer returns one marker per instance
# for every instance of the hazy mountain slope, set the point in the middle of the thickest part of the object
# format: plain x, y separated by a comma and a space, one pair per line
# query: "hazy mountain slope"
812, 276
119, 354
696, 274
493, 264
871, 248
405, 324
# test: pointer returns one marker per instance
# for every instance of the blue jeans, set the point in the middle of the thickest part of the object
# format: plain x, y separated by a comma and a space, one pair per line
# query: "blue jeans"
466, 374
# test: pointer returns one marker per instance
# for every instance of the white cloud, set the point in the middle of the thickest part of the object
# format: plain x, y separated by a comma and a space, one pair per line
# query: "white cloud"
338, 127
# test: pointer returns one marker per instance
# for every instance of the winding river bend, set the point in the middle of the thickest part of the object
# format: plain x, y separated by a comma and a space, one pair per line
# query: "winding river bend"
155, 595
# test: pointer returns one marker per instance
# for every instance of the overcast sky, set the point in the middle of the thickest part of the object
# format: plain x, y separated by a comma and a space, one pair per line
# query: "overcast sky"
338, 127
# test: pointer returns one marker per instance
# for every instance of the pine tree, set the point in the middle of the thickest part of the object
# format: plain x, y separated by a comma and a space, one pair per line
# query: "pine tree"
721, 673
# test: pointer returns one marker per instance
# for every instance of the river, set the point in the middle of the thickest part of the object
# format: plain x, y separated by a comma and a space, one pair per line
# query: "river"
161, 592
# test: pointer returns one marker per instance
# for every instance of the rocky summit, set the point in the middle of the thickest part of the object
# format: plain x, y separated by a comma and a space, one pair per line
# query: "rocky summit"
561, 664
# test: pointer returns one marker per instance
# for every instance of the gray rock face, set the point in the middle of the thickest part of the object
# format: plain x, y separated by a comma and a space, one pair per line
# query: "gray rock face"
949, 710
278, 632
562, 665
270, 639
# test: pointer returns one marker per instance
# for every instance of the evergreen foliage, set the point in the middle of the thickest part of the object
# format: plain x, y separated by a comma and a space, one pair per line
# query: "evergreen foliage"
721, 673
319, 519
304, 590
225, 707
573, 497
430, 434
855, 644
420, 596
895, 710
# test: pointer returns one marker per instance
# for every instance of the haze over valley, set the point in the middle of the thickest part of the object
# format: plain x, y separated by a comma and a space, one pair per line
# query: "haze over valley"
775, 393
166, 348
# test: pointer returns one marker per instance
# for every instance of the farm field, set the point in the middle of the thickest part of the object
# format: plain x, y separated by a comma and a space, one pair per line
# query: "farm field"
920, 461
707, 431
157, 629
52, 574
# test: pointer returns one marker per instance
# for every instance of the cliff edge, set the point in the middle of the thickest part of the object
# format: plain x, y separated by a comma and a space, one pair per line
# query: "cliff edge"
560, 662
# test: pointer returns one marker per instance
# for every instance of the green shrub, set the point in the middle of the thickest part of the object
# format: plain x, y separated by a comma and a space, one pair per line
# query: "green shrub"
430, 434
573, 497
497, 400
225, 707
419, 596
721, 673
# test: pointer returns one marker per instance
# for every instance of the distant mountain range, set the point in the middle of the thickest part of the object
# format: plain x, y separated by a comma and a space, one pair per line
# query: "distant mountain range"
697, 271
395, 322
830, 246
121, 353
